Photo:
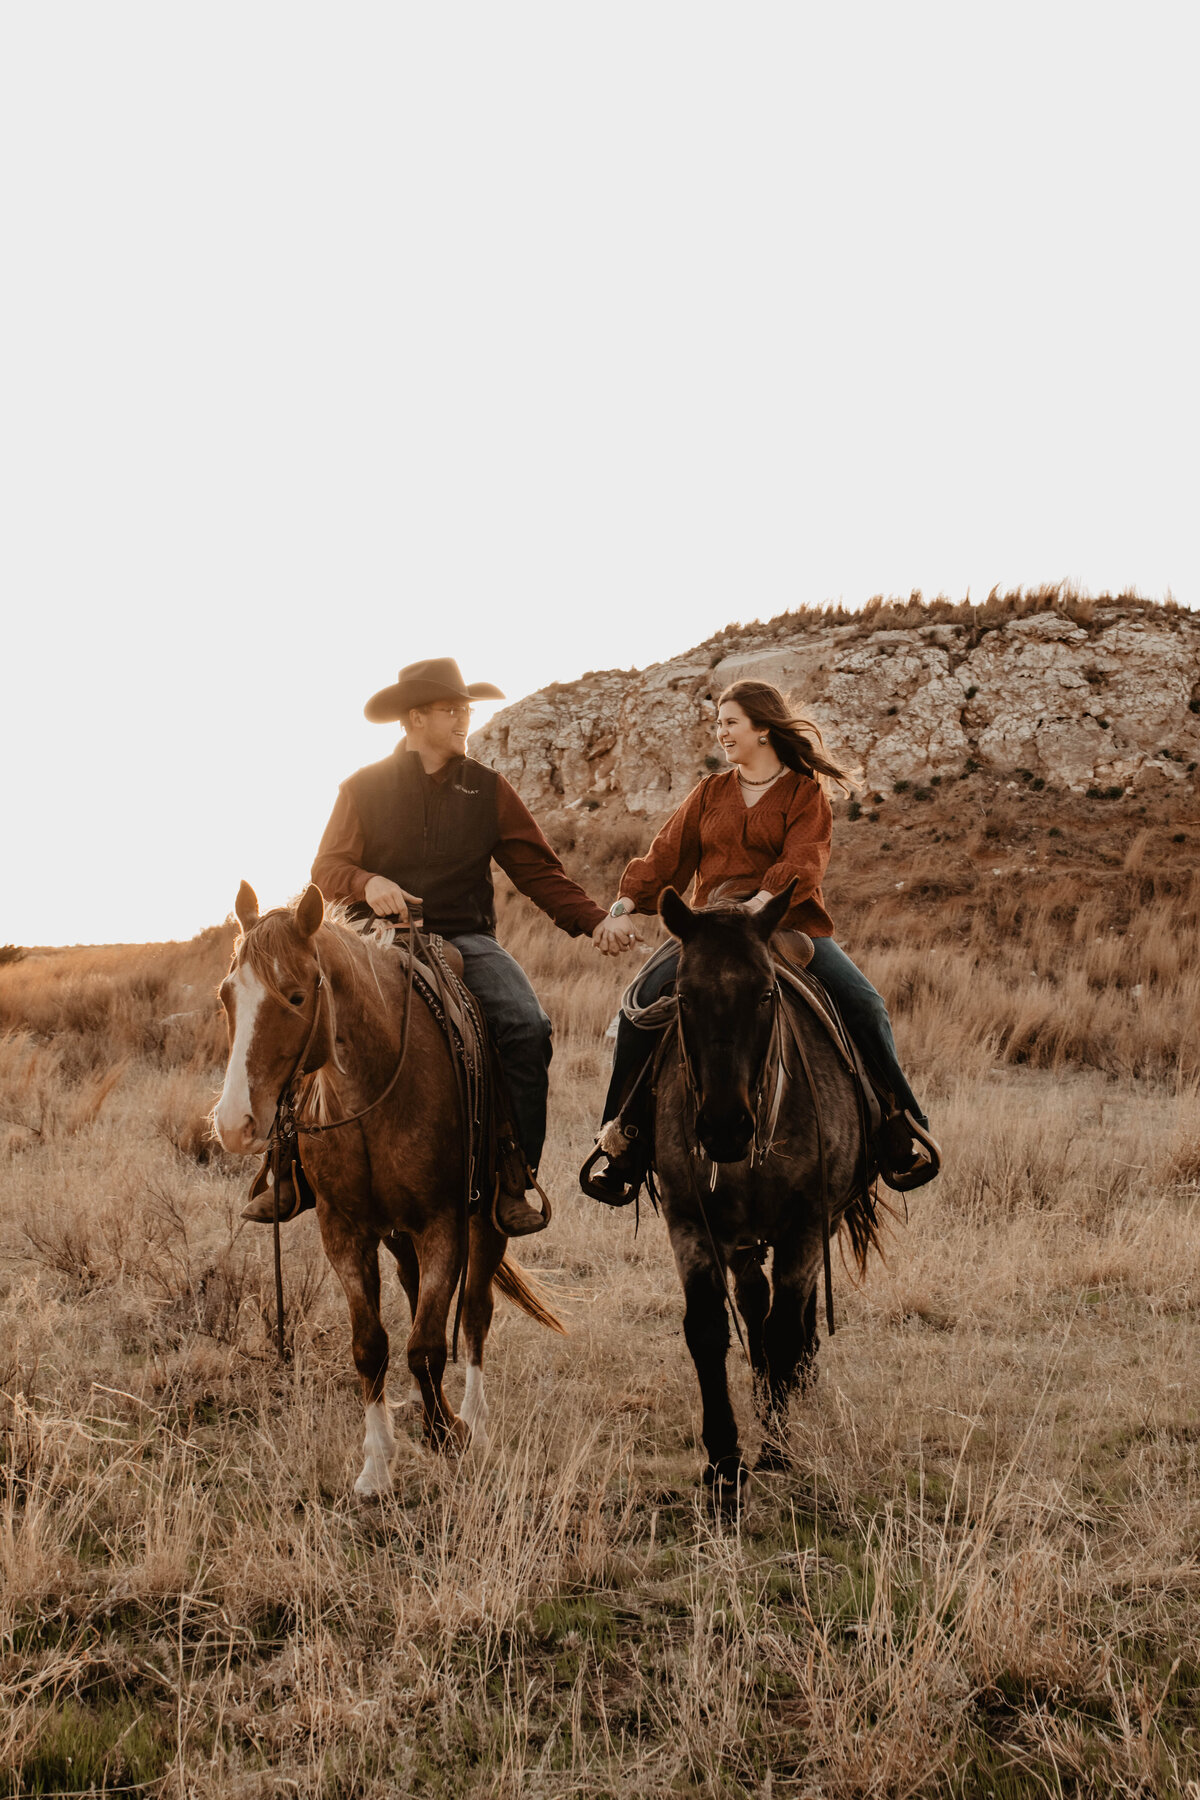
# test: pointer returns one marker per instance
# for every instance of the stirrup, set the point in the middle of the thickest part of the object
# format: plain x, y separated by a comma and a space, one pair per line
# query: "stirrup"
925, 1168
295, 1195
614, 1186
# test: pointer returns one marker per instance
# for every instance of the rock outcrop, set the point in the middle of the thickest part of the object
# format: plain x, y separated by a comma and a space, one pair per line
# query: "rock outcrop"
1104, 695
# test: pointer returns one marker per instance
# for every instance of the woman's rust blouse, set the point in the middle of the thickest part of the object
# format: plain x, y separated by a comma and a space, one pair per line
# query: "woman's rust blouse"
715, 837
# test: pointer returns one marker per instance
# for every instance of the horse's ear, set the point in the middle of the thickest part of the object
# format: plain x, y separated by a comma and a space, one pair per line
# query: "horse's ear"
772, 914
246, 907
310, 910
676, 915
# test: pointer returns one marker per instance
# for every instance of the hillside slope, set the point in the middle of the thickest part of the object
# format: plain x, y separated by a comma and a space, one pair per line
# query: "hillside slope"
1074, 693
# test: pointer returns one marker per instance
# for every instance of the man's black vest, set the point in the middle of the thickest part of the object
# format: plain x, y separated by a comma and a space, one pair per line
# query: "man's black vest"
433, 837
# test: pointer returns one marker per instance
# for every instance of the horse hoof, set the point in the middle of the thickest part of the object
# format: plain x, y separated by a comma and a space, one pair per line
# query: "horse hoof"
725, 1482
456, 1438
372, 1487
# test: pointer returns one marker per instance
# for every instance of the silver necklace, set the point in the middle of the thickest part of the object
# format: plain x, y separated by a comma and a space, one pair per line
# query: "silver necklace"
765, 782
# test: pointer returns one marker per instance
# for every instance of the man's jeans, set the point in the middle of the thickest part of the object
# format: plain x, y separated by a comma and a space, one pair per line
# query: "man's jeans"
520, 1031
860, 1005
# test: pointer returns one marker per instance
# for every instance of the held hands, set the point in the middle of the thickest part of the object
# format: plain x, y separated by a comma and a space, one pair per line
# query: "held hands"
614, 936
386, 898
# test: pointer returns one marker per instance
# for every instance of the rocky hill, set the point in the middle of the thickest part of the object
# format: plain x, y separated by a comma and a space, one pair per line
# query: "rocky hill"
1072, 693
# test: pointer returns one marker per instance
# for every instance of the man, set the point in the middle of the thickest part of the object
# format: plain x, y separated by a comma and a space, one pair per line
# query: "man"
421, 829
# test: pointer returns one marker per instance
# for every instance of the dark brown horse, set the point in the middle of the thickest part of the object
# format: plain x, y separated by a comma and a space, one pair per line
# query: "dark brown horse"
743, 1167
395, 1175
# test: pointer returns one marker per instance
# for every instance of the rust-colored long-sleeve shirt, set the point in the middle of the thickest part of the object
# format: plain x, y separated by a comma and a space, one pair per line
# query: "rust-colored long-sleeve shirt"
520, 849
715, 837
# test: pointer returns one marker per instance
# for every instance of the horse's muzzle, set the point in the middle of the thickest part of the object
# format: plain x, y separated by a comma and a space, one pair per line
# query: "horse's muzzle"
725, 1135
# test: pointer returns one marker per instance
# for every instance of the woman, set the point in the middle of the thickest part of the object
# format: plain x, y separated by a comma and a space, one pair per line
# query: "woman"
749, 830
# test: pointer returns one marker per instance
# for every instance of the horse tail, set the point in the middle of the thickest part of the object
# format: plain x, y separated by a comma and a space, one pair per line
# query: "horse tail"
525, 1291
862, 1225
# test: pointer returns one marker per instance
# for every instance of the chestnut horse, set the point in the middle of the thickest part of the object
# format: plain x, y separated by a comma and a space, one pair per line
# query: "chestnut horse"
301, 988
746, 1163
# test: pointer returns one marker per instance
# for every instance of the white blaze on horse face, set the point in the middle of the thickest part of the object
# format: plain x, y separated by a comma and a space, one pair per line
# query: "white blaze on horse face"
474, 1409
237, 1127
379, 1444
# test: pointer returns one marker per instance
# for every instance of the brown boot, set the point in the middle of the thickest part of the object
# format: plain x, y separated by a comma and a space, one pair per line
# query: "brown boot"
294, 1198
515, 1217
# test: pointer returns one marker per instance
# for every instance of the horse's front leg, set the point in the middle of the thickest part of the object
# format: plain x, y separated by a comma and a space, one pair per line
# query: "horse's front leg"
790, 1340
355, 1262
752, 1291
706, 1329
438, 1255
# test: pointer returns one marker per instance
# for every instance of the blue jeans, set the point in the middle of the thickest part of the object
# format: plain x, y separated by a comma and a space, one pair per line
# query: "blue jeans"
866, 1019
520, 1031
858, 1002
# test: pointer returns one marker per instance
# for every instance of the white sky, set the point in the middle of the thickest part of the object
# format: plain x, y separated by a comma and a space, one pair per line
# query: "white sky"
552, 337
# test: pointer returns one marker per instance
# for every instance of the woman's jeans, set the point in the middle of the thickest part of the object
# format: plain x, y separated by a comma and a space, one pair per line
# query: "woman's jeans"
860, 1005
519, 1028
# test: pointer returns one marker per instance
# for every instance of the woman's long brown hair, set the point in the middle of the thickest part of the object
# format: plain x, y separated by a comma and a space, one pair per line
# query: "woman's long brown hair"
796, 741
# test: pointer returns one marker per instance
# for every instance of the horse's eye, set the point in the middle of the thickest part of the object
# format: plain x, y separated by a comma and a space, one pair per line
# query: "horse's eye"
766, 999
683, 1002
295, 999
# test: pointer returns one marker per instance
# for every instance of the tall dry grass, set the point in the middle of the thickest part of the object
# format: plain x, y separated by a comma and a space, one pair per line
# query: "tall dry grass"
979, 1579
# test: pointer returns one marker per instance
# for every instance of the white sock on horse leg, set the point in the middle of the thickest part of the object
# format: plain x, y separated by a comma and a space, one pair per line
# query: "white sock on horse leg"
379, 1444
474, 1409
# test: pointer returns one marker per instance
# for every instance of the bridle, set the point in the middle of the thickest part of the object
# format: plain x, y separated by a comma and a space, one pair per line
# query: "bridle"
764, 1123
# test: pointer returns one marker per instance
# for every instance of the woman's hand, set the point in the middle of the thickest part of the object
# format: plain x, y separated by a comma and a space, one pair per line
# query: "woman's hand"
614, 936
386, 897
758, 901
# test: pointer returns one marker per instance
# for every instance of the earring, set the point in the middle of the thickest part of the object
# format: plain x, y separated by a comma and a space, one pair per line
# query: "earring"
762, 740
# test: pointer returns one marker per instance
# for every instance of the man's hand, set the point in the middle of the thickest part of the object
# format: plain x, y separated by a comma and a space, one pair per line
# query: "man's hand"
614, 936
387, 897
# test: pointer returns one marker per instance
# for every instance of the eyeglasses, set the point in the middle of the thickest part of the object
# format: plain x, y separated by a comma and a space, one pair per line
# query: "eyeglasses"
453, 712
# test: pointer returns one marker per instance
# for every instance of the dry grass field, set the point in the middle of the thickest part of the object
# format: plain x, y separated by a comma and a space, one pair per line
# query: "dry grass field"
981, 1577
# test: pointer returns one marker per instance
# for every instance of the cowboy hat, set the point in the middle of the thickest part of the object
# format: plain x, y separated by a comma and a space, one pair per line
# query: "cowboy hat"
423, 683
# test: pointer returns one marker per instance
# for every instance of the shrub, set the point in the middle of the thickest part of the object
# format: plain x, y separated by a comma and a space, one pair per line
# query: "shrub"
971, 692
11, 953
854, 810
1038, 783
873, 818
901, 787
1180, 837
935, 781
922, 793
892, 711
1194, 706
1054, 832
1103, 724
712, 762
971, 766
